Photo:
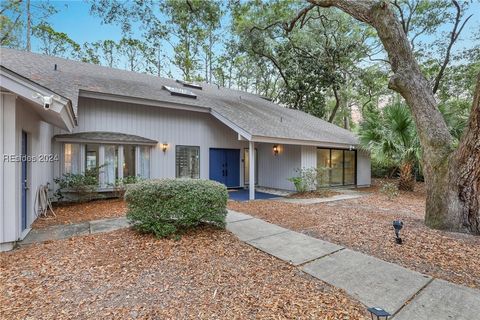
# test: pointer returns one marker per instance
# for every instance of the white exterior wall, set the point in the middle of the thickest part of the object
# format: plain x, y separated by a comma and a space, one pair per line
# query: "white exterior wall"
175, 127
274, 170
8, 187
17, 116
364, 169
309, 157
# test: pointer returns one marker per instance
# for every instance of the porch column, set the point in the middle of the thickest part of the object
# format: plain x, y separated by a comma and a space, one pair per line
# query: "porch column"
251, 172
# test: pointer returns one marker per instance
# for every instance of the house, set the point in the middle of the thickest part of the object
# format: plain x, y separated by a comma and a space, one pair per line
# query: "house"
59, 116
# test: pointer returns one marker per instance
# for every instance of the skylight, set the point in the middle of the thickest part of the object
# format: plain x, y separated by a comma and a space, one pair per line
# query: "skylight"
180, 92
190, 84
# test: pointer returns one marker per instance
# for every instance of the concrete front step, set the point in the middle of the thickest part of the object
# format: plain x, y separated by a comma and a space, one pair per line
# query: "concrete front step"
77, 229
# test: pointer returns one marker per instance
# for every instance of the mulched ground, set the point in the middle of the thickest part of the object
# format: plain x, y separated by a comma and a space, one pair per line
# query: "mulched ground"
208, 274
313, 194
365, 224
81, 212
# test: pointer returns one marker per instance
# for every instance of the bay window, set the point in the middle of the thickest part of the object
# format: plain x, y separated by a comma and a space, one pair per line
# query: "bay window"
115, 161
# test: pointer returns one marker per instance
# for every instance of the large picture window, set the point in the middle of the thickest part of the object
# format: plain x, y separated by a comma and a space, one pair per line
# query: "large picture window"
187, 162
341, 165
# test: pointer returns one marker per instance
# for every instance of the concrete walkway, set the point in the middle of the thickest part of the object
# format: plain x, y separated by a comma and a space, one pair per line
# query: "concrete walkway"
77, 229
402, 292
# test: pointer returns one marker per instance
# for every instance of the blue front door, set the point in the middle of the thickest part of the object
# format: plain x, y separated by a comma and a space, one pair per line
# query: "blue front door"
225, 166
24, 180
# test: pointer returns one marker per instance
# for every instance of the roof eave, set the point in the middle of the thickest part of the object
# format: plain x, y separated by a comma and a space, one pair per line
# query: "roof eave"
316, 143
27, 89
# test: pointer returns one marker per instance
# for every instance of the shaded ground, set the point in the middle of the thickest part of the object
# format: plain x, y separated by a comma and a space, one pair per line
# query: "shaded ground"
365, 224
81, 212
208, 274
313, 194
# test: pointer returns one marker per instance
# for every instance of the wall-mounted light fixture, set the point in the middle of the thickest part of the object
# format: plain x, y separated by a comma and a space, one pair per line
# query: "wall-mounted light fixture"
164, 147
275, 150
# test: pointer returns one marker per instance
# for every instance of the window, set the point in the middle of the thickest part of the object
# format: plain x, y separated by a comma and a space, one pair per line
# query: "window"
71, 158
187, 162
349, 167
341, 165
180, 92
111, 164
129, 161
190, 84
336, 165
91, 156
144, 165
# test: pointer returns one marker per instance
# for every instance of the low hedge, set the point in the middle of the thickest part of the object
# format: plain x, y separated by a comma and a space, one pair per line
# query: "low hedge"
169, 206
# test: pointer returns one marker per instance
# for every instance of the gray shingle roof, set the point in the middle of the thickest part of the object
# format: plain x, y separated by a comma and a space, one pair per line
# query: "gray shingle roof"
250, 112
104, 137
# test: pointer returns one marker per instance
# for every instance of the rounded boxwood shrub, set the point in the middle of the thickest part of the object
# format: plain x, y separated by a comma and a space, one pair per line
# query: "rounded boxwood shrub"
166, 207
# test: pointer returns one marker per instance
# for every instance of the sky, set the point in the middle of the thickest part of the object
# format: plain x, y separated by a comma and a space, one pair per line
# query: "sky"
74, 19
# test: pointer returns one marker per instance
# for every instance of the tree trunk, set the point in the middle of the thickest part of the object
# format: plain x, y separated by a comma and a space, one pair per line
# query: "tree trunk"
452, 177
406, 180
337, 105
29, 26
463, 197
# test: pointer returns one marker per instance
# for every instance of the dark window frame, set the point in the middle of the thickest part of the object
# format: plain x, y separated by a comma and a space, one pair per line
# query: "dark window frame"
343, 165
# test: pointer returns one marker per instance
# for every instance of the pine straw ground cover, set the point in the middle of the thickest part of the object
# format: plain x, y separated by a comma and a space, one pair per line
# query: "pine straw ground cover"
207, 274
81, 212
365, 224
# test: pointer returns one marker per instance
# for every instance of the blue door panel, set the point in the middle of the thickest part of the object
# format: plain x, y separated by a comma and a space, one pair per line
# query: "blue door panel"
233, 168
217, 160
225, 166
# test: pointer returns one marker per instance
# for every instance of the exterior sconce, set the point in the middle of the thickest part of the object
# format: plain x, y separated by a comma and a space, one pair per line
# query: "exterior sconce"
398, 225
164, 147
275, 150
379, 313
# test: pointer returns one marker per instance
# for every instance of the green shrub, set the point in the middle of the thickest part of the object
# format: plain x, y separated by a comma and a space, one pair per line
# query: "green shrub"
169, 206
83, 185
309, 179
120, 185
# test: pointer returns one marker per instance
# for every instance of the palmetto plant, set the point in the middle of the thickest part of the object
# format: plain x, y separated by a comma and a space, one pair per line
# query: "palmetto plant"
390, 135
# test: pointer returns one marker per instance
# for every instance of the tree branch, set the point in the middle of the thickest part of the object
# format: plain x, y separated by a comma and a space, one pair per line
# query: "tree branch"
7, 34
288, 26
453, 38
275, 63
